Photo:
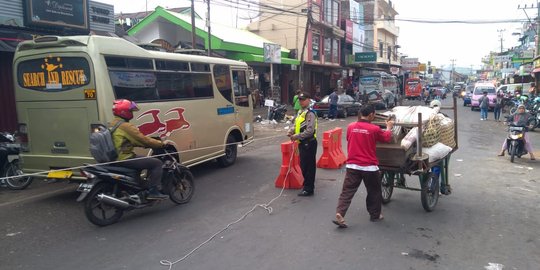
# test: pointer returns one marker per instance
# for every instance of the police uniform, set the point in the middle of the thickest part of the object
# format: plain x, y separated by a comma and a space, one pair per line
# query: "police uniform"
305, 133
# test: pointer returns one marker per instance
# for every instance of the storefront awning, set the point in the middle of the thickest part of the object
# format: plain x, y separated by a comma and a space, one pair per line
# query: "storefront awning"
248, 57
536, 70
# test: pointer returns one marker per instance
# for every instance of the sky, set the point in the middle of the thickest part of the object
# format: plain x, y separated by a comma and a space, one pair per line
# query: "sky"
440, 43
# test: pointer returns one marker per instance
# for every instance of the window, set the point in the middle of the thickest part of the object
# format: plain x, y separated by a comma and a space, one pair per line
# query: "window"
335, 51
152, 86
222, 76
381, 50
199, 67
240, 88
335, 13
135, 86
132, 63
184, 86
331, 12
389, 52
327, 50
65, 73
328, 11
172, 65
315, 45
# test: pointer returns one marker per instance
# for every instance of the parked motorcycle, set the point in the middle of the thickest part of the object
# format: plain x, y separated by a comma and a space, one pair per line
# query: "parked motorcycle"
277, 112
111, 190
10, 164
515, 143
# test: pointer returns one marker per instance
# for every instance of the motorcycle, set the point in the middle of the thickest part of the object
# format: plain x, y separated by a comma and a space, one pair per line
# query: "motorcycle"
277, 112
515, 143
112, 190
10, 164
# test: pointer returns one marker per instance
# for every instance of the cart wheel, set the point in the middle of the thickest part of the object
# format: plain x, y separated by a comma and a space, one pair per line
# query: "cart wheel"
430, 191
387, 186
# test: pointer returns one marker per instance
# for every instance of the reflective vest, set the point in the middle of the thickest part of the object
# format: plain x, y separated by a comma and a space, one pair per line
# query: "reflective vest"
301, 123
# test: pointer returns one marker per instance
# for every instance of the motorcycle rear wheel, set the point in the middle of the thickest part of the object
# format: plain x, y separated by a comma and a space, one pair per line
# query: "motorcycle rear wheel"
181, 187
99, 213
16, 183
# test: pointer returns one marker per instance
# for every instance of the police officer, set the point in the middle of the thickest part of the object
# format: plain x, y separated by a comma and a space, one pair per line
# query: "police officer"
305, 133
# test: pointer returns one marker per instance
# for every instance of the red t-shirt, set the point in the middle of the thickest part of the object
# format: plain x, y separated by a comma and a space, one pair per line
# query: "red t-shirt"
362, 137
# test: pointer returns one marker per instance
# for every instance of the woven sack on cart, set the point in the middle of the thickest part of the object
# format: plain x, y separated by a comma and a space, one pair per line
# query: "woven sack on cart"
430, 134
446, 134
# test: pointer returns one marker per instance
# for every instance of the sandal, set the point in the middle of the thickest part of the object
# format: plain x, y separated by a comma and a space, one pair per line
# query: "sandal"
377, 219
340, 221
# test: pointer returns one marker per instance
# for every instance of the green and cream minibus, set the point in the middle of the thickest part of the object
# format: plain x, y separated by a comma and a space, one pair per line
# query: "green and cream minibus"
65, 87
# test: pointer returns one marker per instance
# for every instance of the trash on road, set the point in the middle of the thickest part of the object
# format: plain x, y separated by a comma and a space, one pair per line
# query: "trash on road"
494, 266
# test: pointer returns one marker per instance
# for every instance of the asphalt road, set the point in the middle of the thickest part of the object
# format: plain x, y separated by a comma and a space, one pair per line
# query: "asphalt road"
492, 217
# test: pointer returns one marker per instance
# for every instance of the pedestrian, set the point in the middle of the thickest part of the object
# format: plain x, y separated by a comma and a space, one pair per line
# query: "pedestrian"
296, 102
483, 102
333, 101
519, 119
532, 91
362, 164
305, 133
498, 106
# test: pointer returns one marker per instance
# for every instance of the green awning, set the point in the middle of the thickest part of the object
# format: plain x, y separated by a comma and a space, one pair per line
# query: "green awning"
248, 57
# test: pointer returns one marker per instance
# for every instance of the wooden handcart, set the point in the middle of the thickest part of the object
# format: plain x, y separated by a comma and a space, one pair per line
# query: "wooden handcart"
395, 163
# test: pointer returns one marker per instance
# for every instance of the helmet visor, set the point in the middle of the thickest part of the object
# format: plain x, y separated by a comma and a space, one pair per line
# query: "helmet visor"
133, 107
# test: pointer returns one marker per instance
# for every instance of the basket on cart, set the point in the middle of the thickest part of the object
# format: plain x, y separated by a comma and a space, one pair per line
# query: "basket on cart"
395, 161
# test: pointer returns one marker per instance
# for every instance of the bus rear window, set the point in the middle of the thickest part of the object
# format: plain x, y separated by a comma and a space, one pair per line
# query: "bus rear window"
53, 74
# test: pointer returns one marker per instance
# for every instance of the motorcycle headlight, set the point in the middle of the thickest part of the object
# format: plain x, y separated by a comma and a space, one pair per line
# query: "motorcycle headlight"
514, 137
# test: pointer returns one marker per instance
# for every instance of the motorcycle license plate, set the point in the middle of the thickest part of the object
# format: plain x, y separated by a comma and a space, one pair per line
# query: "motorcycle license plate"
60, 174
85, 187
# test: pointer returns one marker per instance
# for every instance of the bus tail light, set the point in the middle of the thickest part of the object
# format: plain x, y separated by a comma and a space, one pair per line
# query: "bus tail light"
22, 137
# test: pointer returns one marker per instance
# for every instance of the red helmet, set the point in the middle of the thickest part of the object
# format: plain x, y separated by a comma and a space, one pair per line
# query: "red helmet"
124, 108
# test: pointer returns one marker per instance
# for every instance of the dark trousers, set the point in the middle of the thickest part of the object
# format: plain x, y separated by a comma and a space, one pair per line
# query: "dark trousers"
308, 163
332, 112
353, 179
153, 165
497, 113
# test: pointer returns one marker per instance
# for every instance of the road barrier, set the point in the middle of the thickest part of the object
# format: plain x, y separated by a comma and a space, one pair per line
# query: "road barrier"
290, 175
332, 156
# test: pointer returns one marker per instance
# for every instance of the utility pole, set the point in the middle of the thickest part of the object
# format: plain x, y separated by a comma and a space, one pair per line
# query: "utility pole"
500, 31
301, 71
193, 45
209, 31
537, 53
452, 72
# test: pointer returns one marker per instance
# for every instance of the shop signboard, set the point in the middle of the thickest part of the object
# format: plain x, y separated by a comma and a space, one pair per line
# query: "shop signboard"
272, 53
57, 14
409, 64
365, 57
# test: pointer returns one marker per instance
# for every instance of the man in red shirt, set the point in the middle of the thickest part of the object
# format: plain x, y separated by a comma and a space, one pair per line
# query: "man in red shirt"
362, 162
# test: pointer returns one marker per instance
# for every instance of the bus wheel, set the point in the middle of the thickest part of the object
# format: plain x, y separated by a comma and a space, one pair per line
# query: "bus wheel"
230, 152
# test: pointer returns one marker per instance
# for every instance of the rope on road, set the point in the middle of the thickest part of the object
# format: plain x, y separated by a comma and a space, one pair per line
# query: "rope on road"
265, 206
41, 173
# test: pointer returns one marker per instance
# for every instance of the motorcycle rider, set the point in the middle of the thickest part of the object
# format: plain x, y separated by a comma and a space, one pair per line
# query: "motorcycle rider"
126, 137
520, 119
